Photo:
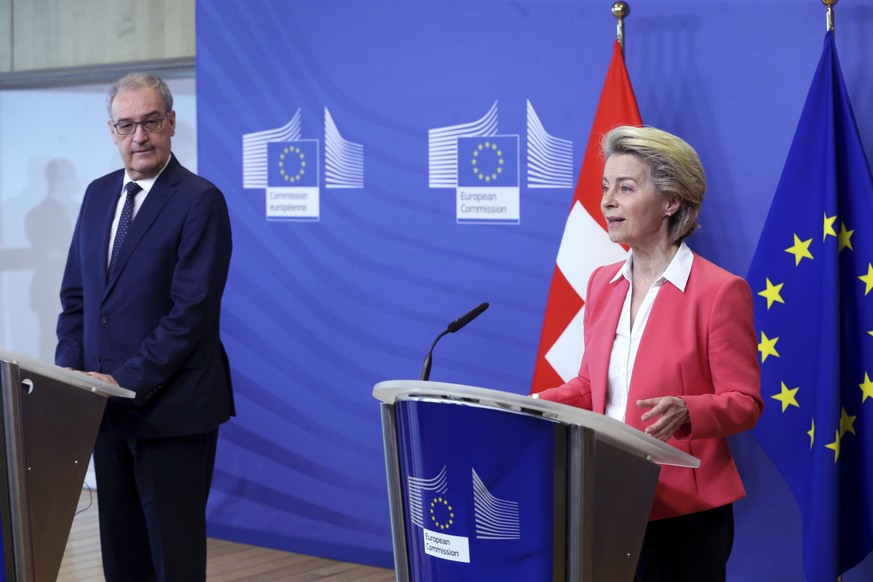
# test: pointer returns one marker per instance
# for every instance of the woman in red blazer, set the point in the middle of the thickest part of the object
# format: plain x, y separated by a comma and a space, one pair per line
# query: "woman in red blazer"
670, 349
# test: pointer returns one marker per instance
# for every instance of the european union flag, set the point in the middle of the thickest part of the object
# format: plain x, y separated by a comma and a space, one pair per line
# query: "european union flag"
292, 164
488, 161
813, 275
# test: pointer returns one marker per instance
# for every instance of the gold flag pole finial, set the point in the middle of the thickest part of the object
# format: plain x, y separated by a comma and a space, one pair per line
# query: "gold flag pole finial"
621, 10
830, 4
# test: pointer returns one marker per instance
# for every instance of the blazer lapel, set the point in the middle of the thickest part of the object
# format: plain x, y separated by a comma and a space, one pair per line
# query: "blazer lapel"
600, 344
669, 311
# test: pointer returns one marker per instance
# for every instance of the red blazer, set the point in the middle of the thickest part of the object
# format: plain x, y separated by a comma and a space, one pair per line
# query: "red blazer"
699, 345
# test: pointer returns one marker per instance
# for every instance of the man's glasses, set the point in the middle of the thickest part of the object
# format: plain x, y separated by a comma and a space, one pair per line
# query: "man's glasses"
148, 126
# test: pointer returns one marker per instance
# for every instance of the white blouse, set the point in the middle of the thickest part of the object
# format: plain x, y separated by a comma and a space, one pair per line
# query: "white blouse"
627, 339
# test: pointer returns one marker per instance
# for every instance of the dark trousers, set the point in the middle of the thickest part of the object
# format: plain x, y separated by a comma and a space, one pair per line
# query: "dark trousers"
152, 503
689, 548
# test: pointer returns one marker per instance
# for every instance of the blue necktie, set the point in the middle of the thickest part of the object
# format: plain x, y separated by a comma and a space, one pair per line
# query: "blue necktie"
131, 189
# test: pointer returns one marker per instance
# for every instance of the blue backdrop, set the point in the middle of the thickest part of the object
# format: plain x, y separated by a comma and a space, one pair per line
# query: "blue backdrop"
352, 250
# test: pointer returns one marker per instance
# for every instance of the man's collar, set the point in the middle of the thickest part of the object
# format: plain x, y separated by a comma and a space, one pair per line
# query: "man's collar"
146, 183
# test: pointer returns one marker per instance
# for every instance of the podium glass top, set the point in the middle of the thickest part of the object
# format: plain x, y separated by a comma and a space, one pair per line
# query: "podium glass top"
606, 428
71, 377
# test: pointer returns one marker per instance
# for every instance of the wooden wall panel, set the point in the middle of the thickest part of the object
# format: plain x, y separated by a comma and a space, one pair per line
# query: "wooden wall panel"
5, 35
49, 34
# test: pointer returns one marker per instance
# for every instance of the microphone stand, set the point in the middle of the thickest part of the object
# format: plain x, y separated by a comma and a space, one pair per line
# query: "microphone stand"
451, 328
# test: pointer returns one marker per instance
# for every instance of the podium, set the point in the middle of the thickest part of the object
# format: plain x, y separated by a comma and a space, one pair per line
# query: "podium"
489, 485
50, 418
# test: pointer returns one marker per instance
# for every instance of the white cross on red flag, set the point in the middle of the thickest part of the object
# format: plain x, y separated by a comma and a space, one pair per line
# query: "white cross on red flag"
585, 244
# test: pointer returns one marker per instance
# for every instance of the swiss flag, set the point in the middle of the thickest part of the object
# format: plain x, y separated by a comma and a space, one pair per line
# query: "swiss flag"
585, 244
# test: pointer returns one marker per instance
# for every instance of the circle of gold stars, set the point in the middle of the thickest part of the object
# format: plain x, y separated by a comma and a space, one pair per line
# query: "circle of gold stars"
451, 513
487, 176
291, 152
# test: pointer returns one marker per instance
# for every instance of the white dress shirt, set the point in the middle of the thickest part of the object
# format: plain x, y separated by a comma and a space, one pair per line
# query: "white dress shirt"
138, 200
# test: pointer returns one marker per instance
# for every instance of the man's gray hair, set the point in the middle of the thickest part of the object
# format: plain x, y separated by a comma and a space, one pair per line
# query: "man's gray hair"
137, 81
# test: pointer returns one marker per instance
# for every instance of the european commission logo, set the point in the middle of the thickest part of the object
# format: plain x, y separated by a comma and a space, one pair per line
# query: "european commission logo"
484, 166
288, 168
444, 527
488, 179
292, 180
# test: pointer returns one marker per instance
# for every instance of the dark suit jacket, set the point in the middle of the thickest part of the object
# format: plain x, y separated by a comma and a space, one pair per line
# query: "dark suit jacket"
153, 325
699, 345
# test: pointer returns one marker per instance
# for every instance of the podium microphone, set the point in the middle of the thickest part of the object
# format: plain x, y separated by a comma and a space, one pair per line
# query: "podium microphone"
451, 328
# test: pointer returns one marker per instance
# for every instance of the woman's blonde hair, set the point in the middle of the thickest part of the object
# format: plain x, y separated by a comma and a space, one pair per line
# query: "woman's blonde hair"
674, 168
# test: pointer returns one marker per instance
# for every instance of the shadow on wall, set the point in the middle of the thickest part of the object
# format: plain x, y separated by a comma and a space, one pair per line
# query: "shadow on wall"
35, 231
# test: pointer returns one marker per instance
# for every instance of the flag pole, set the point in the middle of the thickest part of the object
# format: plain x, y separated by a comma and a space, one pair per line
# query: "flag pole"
830, 4
830, 28
621, 10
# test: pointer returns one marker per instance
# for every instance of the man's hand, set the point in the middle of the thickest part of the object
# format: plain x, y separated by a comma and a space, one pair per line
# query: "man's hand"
673, 412
103, 377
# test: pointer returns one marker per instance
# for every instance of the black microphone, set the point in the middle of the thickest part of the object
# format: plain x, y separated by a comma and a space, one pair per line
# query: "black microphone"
451, 328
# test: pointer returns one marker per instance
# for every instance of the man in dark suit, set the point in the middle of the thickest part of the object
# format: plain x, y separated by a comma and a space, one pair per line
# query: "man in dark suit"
141, 301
